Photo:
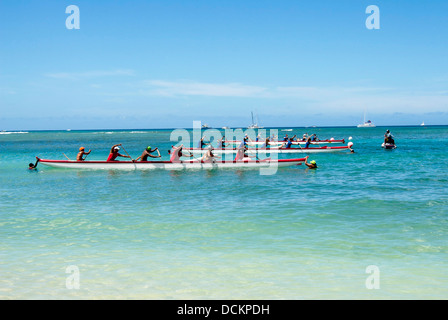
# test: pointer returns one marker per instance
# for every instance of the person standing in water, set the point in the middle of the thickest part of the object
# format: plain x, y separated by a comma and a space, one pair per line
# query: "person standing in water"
33, 166
312, 164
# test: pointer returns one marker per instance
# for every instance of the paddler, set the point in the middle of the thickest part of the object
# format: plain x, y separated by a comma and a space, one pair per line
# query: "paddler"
308, 141
201, 143
312, 164
243, 143
287, 145
266, 144
114, 153
176, 153
209, 156
148, 153
222, 142
241, 154
81, 154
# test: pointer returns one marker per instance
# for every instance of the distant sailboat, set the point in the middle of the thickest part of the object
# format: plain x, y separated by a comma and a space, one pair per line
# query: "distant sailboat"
254, 125
423, 123
366, 124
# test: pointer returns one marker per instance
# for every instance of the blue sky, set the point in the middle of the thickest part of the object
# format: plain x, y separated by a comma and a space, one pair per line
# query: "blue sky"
163, 64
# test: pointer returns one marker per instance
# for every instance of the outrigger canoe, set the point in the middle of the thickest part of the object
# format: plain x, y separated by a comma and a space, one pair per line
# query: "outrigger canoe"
259, 143
168, 165
324, 149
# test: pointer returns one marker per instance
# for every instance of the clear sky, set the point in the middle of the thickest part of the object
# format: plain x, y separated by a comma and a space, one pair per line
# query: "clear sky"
163, 64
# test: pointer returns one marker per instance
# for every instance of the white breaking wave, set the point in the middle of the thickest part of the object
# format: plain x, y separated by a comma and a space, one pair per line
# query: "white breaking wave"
12, 132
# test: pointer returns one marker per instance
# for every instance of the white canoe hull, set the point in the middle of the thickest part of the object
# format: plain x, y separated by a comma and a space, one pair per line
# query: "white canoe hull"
272, 150
277, 143
167, 165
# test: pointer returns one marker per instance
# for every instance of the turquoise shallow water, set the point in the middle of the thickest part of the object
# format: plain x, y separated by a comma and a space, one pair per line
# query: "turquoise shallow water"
226, 234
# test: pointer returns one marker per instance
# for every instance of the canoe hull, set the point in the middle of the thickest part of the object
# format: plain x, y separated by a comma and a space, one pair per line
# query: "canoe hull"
276, 143
272, 150
167, 165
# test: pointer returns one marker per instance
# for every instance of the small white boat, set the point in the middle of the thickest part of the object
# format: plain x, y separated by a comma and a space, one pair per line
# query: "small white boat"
254, 125
366, 124
423, 123
206, 126
168, 165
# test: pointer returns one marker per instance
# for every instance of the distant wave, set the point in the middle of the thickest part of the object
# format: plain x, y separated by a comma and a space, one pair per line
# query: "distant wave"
12, 132
121, 132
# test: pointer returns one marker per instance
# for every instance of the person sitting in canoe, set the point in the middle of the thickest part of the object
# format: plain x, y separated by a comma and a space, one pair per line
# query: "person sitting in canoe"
266, 144
304, 137
114, 153
287, 145
308, 141
285, 138
81, 154
312, 164
243, 143
222, 142
201, 143
176, 153
209, 156
241, 154
147, 153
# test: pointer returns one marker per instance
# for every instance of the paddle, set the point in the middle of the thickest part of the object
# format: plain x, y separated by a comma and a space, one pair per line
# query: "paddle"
66, 156
135, 167
193, 156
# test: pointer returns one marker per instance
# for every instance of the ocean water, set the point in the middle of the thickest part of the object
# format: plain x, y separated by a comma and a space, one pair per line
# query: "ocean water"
226, 234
